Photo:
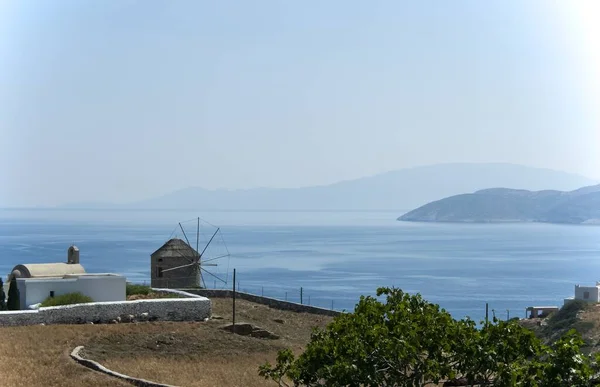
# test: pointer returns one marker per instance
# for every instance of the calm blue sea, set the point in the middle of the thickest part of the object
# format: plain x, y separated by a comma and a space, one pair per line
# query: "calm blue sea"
334, 256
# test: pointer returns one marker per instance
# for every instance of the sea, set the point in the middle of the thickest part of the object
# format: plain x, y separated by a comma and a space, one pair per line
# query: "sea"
325, 259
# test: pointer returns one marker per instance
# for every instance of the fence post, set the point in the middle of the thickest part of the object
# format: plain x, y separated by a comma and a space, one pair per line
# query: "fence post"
486, 313
286, 296
233, 329
309, 299
301, 295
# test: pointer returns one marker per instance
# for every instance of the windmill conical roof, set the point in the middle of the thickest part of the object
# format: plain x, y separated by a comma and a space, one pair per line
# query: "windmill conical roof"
175, 248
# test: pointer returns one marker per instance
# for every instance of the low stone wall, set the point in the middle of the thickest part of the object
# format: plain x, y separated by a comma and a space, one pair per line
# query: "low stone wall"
168, 309
271, 302
100, 368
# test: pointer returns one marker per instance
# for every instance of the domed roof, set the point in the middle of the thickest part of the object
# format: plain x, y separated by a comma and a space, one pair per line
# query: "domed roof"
30, 270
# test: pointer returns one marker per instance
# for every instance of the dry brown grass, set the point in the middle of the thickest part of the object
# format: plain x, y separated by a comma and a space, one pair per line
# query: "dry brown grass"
184, 354
39, 356
151, 296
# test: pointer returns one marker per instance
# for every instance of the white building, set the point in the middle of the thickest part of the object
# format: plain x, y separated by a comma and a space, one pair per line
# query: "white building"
38, 281
99, 287
586, 293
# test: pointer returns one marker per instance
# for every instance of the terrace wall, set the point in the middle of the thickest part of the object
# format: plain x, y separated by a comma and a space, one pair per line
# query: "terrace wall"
192, 308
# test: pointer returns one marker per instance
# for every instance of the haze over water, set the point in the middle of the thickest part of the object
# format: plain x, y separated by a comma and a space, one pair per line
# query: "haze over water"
333, 256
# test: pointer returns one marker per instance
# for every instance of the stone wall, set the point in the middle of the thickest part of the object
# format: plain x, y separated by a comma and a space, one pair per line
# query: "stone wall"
193, 308
271, 302
100, 368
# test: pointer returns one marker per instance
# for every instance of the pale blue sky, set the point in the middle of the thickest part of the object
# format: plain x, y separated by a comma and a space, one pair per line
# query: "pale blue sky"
118, 100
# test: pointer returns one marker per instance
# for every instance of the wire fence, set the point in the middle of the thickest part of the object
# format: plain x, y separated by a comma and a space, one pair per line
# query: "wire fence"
278, 291
301, 295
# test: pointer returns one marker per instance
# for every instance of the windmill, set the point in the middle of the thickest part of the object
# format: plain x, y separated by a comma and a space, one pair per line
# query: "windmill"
179, 265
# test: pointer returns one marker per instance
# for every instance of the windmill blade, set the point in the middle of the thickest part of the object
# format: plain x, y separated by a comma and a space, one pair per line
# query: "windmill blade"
212, 259
211, 274
185, 236
179, 267
202, 279
198, 235
210, 240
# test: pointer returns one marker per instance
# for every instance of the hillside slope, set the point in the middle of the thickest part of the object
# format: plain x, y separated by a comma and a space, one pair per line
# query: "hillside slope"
579, 315
580, 206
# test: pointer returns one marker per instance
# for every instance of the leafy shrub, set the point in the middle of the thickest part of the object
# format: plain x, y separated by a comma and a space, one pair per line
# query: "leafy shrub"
566, 316
407, 341
131, 289
67, 299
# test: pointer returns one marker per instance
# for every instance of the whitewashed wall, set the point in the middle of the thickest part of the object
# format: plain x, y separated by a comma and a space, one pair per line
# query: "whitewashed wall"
99, 288
594, 293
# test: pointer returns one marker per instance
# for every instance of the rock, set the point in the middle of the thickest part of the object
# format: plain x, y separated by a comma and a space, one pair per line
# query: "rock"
91, 323
206, 319
264, 334
246, 329
278, 320
216, 317
113, 322
243, 329
126, 318
119, 319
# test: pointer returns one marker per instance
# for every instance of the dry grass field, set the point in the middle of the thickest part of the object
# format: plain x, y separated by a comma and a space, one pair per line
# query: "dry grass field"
183, 354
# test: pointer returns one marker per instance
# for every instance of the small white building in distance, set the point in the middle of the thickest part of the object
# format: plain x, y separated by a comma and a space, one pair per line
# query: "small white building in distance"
586, 293
38, 281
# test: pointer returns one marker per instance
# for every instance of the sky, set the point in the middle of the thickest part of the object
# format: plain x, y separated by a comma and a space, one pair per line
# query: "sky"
119, 100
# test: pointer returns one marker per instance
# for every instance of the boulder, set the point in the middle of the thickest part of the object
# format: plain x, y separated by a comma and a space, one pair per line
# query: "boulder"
264, 334
246, 329
243, 329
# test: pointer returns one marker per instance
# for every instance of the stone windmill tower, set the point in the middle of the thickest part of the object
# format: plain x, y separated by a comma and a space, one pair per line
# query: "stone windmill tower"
177, 265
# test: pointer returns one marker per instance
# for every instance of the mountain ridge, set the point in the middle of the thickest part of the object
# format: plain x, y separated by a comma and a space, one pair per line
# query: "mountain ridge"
393, 190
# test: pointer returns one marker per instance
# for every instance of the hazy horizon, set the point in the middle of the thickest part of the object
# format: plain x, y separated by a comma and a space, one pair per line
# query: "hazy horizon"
332, 183
401, 189
116, 101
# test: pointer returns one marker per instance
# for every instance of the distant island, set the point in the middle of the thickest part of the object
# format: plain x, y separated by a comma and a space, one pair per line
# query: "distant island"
498, 205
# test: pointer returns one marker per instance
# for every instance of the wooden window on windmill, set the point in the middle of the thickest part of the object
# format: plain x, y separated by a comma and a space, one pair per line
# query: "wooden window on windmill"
586, 295
51, 293
159, 272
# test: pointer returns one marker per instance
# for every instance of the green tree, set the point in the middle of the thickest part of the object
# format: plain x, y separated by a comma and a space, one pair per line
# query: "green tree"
565, 365
404, 341
500, 353
2, 296
14, 301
